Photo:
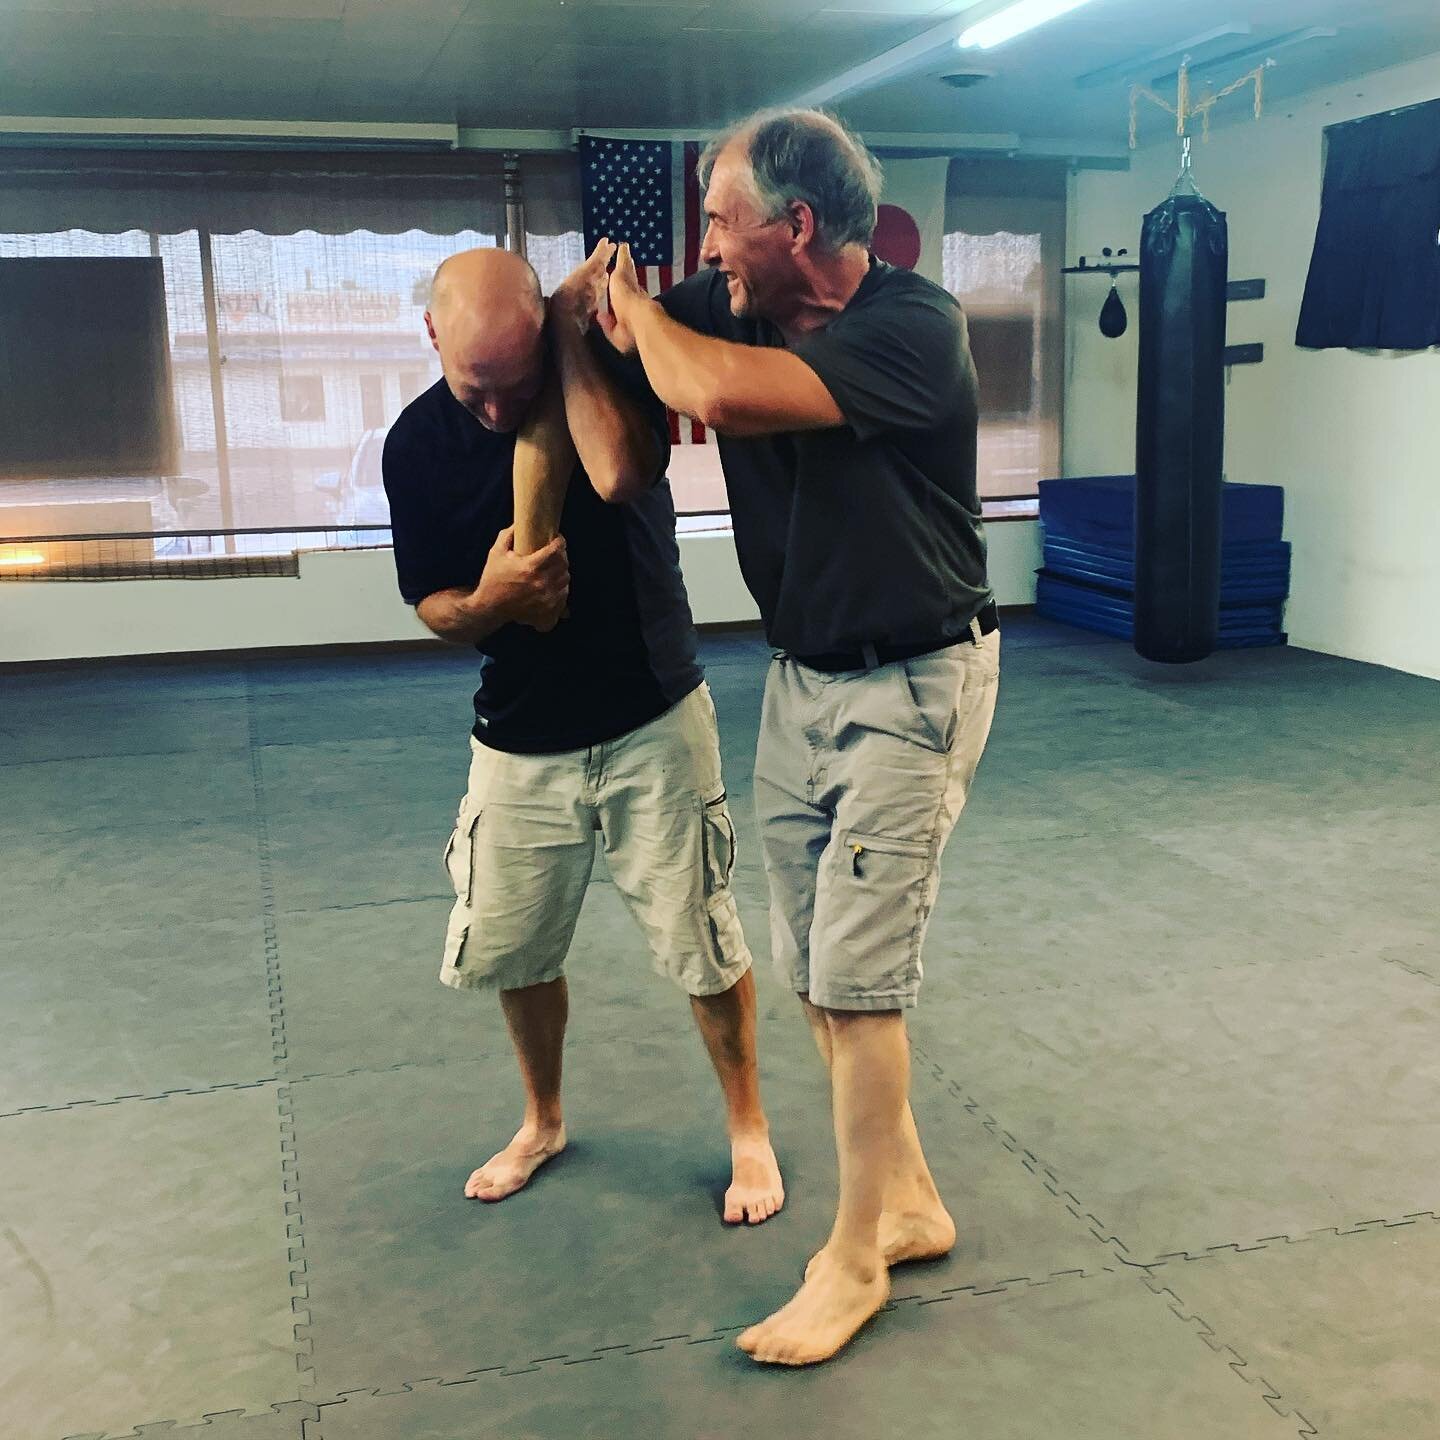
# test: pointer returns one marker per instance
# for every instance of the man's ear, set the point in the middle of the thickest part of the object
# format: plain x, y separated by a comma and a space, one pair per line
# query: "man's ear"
801, 220
430, 330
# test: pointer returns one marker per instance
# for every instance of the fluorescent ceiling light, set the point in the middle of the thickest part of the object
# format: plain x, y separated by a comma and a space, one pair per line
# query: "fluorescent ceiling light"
1249, 52
1015, 20
1132, 65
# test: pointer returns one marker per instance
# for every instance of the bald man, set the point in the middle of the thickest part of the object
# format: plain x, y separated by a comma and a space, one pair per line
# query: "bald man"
592, 714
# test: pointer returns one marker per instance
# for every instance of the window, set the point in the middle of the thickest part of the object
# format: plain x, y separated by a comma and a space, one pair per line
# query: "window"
336, 320
311, 336
1002, 257
416, 382
294, 297
372, 401
302, 399
554, 256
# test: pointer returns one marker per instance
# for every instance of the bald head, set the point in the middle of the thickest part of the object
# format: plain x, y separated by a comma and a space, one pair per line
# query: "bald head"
486, 319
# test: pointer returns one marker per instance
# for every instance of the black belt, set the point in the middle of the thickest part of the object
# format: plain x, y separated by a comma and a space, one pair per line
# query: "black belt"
870, 657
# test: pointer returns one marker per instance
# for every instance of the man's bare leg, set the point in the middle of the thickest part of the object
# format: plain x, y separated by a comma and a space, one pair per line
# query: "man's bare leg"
727, 1025
914, 1223
848, 1280
535, 1017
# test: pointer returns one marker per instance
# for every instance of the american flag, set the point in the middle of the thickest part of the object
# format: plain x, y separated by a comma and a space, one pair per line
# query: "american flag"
646, 193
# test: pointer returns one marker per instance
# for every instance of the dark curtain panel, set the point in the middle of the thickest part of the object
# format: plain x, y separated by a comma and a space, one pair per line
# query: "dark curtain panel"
84, 369
1375, 276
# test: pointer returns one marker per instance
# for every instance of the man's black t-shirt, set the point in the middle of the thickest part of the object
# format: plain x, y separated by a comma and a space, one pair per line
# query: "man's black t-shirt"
867, 533
626, 653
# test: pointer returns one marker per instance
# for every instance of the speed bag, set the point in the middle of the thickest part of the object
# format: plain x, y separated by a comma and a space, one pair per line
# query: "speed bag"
1180, 435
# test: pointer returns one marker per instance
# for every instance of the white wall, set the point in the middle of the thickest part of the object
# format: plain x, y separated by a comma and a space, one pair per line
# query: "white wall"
1014, 558
1354, 439
342, 597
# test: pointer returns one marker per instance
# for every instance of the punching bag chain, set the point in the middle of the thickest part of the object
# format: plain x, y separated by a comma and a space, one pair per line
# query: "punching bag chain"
1185, 109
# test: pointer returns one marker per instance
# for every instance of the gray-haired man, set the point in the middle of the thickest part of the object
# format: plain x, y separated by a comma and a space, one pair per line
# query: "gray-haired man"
844, 397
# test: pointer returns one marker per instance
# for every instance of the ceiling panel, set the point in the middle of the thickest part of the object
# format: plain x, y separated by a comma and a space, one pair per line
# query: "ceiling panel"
437, 16
728, 20
872, 28
681, 64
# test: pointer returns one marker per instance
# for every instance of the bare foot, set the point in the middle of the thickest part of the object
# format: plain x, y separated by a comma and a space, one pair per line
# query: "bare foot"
924, 1233
828, 1310
919, 1234
756, 1190
511, 1169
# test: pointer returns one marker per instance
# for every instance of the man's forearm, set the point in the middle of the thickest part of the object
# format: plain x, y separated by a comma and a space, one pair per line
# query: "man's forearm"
615, 444
735, 390
544, 461
690, 372
455, 616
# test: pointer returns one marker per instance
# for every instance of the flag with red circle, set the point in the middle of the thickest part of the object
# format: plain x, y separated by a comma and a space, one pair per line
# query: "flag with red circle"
910, 225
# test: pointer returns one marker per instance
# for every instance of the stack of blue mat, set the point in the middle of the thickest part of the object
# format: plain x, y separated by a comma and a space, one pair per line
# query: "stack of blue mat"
1089, 574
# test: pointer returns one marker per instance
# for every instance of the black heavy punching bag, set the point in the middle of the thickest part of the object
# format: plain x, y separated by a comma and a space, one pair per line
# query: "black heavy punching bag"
1180, 442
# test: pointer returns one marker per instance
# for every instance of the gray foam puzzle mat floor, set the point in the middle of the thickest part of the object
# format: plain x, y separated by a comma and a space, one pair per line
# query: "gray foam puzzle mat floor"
1175, 1067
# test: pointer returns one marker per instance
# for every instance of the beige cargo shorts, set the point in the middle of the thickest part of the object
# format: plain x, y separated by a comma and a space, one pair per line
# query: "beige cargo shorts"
523, 847
860, 777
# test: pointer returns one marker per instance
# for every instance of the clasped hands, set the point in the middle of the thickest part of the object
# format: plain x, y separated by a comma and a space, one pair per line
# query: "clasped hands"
594, 293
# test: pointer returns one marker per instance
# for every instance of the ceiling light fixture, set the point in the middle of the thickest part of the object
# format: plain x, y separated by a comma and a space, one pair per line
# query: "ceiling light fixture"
1015, 20
1249, 52
1134, 65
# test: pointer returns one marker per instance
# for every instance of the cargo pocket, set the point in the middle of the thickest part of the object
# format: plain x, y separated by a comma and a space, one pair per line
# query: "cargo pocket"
881, 901
460, 867
718, 842
717, 838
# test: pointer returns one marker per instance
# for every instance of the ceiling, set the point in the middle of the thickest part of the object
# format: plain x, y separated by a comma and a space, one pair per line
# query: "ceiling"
1072, 78
665, 64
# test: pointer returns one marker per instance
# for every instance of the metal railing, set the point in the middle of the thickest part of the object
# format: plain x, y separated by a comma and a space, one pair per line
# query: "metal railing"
175, 555
254, 551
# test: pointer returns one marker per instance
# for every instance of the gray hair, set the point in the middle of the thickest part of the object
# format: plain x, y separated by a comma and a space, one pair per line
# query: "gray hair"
807, 155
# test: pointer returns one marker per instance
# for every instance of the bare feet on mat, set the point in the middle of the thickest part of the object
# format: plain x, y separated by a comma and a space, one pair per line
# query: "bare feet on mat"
756, 1190
511, 1169
833, 1304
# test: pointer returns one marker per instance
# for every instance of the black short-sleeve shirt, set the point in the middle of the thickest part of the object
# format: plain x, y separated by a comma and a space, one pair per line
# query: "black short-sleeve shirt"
626, 653
868, 532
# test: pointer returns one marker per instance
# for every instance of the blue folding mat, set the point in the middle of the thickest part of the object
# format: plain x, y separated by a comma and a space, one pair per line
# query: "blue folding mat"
1088, 579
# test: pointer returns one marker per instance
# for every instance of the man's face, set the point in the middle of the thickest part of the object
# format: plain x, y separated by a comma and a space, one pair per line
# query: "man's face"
752, 253
497, 379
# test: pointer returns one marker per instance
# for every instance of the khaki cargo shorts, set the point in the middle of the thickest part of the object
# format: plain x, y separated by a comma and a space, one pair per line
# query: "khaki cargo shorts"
860, 777
523, 847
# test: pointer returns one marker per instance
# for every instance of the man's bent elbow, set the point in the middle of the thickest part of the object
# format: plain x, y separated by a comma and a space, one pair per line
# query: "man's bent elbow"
719, 412
621, 486
443, 626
